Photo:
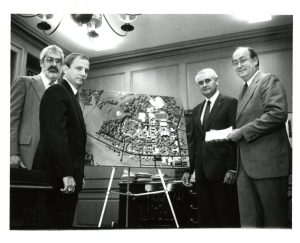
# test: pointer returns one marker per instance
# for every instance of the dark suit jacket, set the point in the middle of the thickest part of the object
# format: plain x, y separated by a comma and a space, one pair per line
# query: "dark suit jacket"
62, 144
261, 115
26, 94
212, 160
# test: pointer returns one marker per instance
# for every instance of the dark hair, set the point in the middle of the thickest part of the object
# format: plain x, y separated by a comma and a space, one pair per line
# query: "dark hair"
252, 53
70, 58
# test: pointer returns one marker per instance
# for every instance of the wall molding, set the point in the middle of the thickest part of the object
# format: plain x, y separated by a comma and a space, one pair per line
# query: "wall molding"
284, 32
37, 39
95, 76
27, 34
19, 62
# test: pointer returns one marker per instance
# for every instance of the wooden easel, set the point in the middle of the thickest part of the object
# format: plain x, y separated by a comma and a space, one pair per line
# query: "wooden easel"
128, 193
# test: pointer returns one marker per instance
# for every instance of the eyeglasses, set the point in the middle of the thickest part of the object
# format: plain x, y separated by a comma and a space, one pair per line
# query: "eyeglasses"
50, 60
241, 61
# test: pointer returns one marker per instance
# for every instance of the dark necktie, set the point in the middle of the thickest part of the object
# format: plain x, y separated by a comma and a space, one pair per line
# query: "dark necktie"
76, 97
206, 114
244, 89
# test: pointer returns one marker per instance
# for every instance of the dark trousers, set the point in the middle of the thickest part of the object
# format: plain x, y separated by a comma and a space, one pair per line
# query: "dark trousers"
262, 202
56, 210
217, 205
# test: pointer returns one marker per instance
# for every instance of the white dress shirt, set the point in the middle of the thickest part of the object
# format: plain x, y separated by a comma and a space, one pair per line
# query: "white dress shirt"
251, 79
72, 87
46, 81
212, 102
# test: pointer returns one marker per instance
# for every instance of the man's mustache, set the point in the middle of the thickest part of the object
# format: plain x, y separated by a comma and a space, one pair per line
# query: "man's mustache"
53, 69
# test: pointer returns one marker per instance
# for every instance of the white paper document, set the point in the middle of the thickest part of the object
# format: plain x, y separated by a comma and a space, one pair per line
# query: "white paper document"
217, 134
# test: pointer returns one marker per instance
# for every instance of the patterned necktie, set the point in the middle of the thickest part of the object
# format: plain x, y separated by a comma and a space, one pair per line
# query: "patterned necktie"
51, 83
206, 114
244, 89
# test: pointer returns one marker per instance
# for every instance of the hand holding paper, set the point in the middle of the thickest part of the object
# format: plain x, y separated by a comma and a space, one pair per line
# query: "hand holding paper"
213, 135
235, 136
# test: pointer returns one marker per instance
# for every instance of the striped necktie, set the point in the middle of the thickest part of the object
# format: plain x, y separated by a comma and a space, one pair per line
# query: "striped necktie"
51, 83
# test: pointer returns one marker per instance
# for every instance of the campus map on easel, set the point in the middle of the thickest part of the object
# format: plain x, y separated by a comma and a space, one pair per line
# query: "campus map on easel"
134, 130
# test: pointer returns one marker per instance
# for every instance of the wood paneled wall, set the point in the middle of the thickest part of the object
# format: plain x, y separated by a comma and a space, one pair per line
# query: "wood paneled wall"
173, 75
170, 71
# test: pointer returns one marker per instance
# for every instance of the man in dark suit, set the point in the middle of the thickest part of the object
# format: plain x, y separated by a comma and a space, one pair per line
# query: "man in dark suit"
214, 162
62, 143
263, 145
26, 94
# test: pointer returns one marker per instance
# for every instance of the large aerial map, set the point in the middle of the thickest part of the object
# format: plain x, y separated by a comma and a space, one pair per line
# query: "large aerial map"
134, 130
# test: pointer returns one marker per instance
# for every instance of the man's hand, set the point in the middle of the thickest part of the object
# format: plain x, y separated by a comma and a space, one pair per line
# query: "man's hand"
69, 185
230, 177
16, 162
235, 135
186, 179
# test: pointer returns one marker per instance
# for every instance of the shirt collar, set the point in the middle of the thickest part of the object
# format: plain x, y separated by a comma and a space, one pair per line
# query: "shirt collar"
46, 81
251, 79
72, 87
213, 98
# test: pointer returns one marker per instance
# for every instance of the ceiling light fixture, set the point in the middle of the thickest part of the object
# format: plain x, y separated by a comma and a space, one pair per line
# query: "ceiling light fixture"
92, 21
94, 24
127, 18
44, 25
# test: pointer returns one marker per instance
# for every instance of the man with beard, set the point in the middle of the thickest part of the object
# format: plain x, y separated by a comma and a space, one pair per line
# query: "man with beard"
26, 94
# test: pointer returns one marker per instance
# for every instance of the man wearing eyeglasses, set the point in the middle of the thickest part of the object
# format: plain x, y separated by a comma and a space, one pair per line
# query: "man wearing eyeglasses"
214, 162
264, 152
26, 94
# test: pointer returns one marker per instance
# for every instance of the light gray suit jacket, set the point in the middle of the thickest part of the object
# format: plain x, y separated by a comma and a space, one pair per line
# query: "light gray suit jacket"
26, 94
265, 151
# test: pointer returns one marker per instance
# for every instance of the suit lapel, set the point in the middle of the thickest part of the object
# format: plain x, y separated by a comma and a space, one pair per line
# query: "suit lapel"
247, 96
38, 86
215, 109
78, 109
198, 116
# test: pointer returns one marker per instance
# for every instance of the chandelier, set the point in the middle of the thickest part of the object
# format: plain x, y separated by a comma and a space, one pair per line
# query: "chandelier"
92, 22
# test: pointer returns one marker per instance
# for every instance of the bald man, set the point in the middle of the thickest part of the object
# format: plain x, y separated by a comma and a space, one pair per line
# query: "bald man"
263, 145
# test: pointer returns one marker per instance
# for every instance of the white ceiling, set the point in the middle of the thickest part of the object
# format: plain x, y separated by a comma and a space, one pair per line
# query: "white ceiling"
151, 30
